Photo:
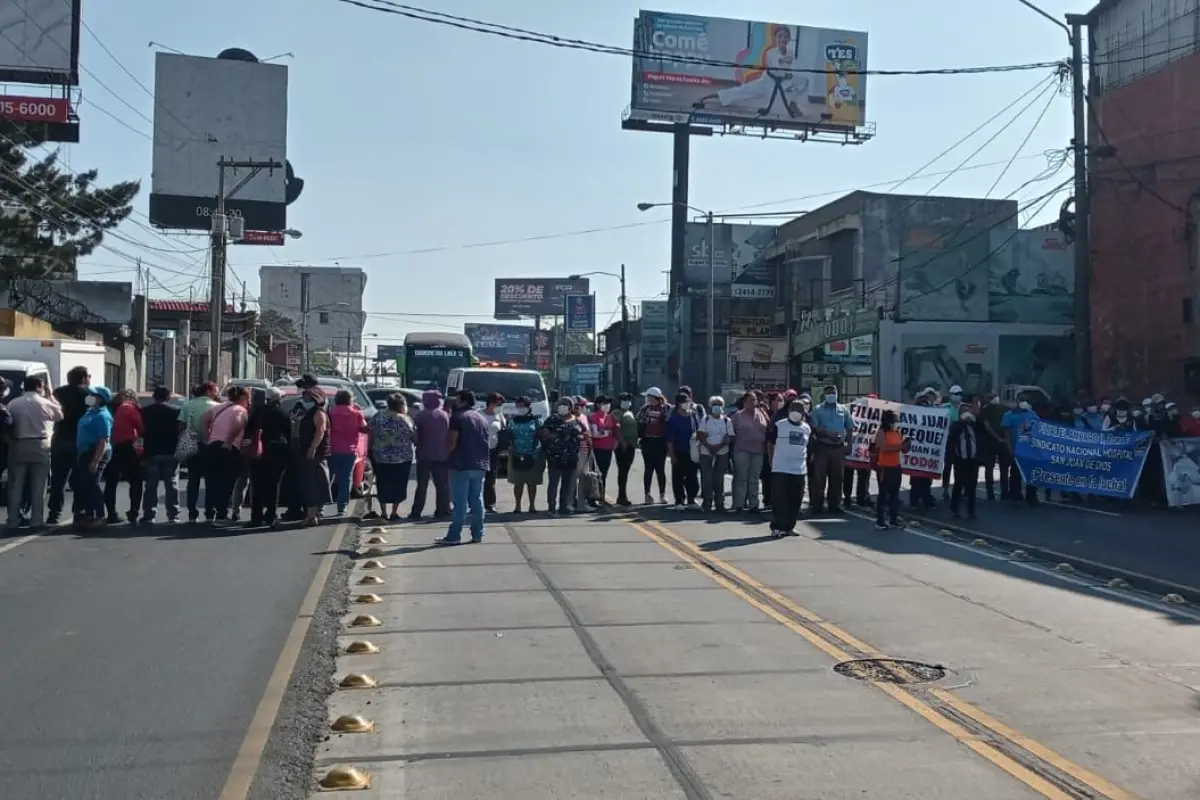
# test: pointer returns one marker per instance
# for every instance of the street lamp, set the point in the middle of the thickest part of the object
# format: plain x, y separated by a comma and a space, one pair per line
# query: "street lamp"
711, 369
627, 372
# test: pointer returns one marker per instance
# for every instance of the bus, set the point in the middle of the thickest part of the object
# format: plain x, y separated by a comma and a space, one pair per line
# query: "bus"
429, 357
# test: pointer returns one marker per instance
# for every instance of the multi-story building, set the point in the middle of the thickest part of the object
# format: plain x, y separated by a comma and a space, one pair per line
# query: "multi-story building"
335, 316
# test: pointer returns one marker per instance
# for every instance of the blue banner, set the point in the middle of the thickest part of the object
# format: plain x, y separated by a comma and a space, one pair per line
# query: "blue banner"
581, 312
1104, 463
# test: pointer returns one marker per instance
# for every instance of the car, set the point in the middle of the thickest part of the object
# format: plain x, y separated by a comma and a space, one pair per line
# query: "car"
249, 383
379, 396
147, 398
363, 476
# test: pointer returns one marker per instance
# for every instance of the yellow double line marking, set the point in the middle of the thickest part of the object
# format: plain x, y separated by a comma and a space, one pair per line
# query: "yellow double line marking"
736, 581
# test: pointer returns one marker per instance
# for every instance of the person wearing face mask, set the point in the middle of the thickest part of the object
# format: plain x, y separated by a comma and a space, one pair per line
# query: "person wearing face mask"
603, 427
311, 445
859, 475
832, 426
652, 439
72, 397
1122, 418
993, 449
93, 450
1017, 423
683, 452
525, 458
920, 490
779, 410
963, 452
716, 436
787, 449
560, 437
433, 432
1190, 425
626, 445
498, 436
191, 426
773, 406
1171, 426
1091, 417
952, 404
750, 424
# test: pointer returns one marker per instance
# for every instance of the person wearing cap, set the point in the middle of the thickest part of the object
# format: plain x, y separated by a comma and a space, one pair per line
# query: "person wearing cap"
787, 450
1016, 423
32, 416
681, 429
952, 404
832, 426
626, 445
93, 448
652, 438
920, 490
161, 425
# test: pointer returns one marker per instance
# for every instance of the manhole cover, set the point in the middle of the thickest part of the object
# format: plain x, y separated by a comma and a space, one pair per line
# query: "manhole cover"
890, 670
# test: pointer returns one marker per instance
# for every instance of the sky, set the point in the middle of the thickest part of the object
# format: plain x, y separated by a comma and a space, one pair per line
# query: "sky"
439, 159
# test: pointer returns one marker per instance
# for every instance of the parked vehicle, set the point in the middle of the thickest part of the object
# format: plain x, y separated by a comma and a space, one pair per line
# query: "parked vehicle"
59, 356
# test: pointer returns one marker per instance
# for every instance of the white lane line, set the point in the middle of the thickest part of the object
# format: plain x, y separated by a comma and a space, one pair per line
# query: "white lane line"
1088, 509
15, 543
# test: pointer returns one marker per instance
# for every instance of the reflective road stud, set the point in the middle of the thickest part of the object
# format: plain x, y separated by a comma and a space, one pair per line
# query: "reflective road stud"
1064, 567
341, 778
365, 621
368, 599
361, 648
377, 540
370, 580
1118, 583
1174, 599
373, 564
357, 680
374, 552
352, 723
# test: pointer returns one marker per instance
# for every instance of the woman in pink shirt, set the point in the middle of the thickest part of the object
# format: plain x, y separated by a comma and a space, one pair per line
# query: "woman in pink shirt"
224, 425
603, 427
346, 425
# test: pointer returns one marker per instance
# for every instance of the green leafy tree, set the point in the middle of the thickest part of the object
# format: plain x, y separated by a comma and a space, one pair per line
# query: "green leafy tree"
272, 323
49, 215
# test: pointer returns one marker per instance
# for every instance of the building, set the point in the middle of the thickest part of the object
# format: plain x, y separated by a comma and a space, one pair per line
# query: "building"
1145, 78
335, 316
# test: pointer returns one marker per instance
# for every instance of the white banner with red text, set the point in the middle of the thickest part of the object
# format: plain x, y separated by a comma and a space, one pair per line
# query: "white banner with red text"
925, 427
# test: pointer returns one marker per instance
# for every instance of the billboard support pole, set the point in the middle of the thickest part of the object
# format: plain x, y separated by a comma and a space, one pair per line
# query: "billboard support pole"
712, 305
1083, 267
681, 163
216, 300
627, 377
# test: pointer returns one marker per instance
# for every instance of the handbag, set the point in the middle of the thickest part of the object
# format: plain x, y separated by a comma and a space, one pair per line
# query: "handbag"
186, 446
694, 442
589, 481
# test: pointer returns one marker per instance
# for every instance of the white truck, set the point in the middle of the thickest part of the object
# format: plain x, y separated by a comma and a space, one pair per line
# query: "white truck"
59, 356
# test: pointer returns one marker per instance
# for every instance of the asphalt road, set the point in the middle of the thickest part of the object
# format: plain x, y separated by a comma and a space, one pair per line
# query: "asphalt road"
133, 660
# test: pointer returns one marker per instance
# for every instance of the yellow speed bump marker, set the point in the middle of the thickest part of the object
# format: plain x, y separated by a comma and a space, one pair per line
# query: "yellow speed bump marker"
946, 532
370, 580
367, 599
342, 778
377, 529
356, 680
373, 552
1174, 599
980, 543
361, 647
1020, 555
377, 540
1118, 583
1064, 567
365, 621
374, 564
352, 723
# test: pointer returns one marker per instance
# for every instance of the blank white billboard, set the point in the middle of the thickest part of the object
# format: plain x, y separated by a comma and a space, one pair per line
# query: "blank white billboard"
206, 110
39, 41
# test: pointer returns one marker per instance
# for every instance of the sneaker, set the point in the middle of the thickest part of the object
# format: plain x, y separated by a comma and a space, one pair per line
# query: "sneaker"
680, 507
881, 526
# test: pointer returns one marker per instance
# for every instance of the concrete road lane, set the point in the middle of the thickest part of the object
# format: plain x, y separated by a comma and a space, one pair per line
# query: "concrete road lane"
133, 660
669, 655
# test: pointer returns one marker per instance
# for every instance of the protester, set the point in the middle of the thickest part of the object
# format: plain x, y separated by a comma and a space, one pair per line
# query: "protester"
525, 462
346, 426
584, 461
993, 446
72, 397
33, 417
161, 435
272, 428
433, 430
920, 490
125, 464
887, 447
772, 406
681, 428
857, 477
750, 425
787, 448
93, 450
493, 414
715, 435
952, 404
1017, 422
224, 429
310, 443
560, 437
468, 461
1190, 425
652, 439
831, 426
963, 453
602, 426
1121, 417
191, 425
626, 446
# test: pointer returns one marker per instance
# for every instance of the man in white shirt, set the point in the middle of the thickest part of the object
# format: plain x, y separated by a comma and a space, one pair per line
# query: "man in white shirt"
787, 449
715, 435
34, 413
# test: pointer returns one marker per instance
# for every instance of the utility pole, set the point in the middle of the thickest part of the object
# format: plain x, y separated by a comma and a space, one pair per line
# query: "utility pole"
712, 306
625, 358
304, 303
1083, 254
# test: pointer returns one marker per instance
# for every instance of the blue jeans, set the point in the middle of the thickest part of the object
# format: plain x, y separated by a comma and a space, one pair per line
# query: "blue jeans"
466, 491
342, 467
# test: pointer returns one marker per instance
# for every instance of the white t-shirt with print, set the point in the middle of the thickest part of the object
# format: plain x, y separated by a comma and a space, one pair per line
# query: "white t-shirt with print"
718, 429
791, 447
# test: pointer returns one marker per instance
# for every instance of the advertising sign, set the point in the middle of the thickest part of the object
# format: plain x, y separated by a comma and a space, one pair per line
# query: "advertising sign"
717, 71
535, 297
389, 352
850, 351
925, 428
35, 109
499, 342
654, 329
738, 268
816, 333
1104, 463
39, 41
581, 312
261, 237
583, 376
751, 327
759, 351
1031, 277
242, 108
1181, 466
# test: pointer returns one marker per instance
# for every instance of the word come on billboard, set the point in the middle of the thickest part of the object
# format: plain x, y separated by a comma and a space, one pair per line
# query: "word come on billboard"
717, 71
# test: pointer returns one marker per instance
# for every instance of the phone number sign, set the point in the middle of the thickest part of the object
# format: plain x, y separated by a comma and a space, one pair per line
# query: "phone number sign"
35, 109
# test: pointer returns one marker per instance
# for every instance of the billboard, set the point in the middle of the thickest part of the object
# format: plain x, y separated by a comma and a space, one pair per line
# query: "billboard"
717, 71
581, 312
500, 342
39, 41
944, 274
390, 352
536, 297
752, 327
207, 109
738, 268
1031, 278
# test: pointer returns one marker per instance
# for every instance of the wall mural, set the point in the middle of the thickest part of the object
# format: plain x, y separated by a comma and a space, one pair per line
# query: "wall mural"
941, 361
1031, 278
944, 274
1045, 361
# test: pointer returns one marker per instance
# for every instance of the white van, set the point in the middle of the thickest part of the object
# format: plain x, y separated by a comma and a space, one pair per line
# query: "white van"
17, 371
512, 383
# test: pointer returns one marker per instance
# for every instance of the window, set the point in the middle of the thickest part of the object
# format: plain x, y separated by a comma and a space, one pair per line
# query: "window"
323, 317
1187, 311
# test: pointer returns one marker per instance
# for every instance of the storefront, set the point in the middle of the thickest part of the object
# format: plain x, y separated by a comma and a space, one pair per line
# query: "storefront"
838, 351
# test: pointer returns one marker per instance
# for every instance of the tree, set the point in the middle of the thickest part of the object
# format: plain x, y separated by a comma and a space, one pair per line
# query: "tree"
272, 323
50, 216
